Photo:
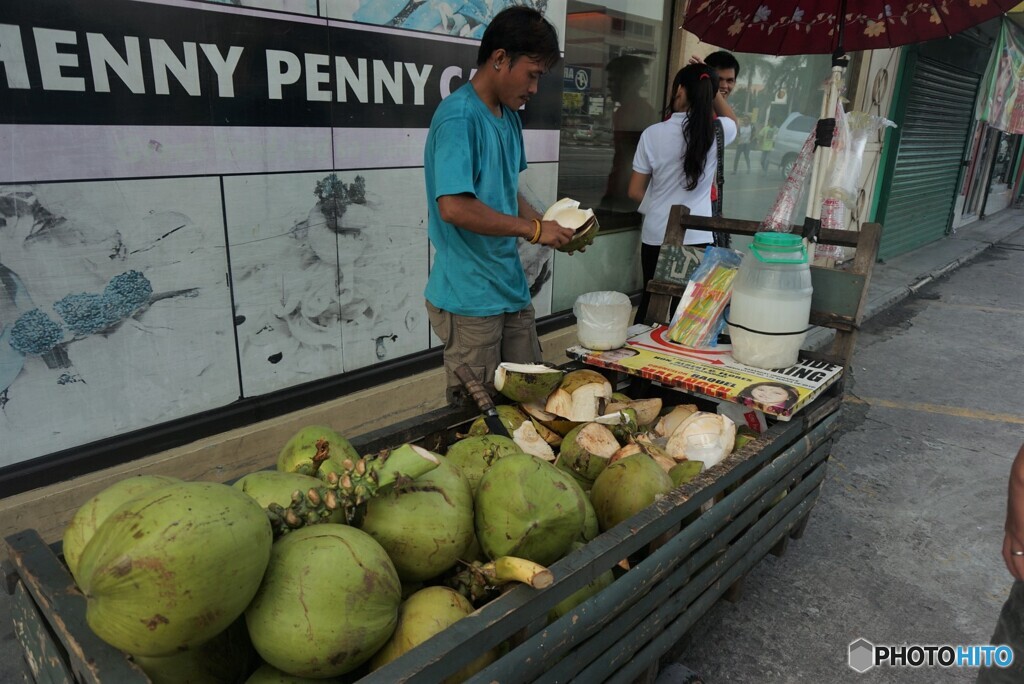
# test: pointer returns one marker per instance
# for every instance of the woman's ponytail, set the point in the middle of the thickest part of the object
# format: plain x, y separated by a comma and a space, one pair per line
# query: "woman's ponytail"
701, 85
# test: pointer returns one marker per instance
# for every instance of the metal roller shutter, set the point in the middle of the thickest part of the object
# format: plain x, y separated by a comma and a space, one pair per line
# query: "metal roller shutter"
933, 136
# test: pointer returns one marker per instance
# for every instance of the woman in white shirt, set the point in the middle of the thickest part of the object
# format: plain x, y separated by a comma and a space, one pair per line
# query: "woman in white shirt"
675, 163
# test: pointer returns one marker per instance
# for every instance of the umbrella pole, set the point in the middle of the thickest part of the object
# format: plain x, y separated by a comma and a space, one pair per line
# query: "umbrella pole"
822, 155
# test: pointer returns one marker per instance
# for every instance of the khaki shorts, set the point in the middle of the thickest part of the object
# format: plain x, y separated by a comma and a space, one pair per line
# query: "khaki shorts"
1009, 632
482, 342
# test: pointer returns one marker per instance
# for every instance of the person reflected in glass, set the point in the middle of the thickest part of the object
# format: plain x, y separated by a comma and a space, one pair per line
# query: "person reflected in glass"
744, 138
675, 163
766, 143
632, 114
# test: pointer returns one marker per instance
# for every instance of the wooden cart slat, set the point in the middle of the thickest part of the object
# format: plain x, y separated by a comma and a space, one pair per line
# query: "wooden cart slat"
47, 662
90, 658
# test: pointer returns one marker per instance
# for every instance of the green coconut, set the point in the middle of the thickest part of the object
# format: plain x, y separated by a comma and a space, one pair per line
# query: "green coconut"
172, 568
97, 509
328, 601
267, 674
525, 382
591, 528
424, 614
425, 526
585, 452
681, 473
626, 487
528, 508
297, 455
510, 416
272, 486
565, 606
474, 455
567, 212
227, 658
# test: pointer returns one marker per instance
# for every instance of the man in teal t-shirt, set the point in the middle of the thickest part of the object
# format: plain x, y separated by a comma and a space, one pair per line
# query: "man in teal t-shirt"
477, 296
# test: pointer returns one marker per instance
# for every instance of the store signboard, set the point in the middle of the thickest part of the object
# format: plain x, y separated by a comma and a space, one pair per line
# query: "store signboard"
576, 78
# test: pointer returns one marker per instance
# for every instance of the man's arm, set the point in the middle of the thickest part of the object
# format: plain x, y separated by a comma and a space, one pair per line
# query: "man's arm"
527, 210
469, 213
723, 108
1014, 539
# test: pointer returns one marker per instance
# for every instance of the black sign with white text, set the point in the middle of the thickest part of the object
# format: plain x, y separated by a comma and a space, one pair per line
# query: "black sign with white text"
128, 62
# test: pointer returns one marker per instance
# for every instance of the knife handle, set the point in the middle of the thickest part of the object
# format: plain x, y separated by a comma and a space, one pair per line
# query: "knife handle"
475, 388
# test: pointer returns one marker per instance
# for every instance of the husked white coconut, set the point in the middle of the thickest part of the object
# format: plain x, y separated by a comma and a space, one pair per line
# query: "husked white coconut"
669, 422
647, 410
706, 437
580, 397
530, 441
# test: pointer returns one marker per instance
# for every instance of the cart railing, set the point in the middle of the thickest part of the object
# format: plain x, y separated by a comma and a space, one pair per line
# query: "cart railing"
840, 294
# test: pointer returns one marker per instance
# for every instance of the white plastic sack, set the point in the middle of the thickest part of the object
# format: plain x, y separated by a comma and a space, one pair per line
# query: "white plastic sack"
602, 319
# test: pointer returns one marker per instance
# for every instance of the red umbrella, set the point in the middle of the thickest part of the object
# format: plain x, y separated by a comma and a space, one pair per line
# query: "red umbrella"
802, 27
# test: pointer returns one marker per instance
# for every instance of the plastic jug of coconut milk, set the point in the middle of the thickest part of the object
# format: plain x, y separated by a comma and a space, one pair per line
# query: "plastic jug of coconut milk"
771, 302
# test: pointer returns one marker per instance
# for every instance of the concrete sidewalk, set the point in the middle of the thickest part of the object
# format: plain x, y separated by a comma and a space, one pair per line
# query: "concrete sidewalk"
896, 279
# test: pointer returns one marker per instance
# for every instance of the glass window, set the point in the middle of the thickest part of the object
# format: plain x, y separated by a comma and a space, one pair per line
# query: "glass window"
613, 88
777, 100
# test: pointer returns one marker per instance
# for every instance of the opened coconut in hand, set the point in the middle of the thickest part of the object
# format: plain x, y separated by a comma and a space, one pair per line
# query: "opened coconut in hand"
568, 214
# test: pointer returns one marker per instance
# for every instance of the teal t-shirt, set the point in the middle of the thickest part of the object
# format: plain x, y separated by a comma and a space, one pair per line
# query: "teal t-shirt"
469, 150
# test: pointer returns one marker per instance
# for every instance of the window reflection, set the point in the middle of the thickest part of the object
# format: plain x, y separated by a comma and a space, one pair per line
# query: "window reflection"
779, 98
615, 55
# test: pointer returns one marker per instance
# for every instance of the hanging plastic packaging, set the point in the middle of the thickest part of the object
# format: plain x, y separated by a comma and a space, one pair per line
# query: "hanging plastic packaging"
833, 217
780, 218
852, 133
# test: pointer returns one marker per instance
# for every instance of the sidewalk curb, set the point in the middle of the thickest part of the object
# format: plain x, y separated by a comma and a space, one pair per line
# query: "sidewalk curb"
820, 338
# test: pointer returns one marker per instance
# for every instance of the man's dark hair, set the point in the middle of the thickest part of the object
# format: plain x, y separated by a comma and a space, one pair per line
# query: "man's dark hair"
723, 60
520, 31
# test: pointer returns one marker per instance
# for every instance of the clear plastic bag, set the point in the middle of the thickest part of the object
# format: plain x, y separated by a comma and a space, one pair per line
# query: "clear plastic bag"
780, 217
833, 217
698, 318
852, 133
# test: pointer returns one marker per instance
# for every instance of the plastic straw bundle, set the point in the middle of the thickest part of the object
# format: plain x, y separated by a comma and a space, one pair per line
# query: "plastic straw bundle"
697, 320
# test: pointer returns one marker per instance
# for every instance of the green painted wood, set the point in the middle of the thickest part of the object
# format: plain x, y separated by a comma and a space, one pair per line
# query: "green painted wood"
743, 561
934, 129
545, 650
43, 654
836, 294
740, 532
90, 659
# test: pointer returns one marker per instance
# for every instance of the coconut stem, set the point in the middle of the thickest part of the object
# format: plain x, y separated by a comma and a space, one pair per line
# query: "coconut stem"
512, 569
478, 581
357, 482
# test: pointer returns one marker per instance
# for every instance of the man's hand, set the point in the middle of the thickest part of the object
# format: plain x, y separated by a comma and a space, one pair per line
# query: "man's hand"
695, 59
553, 234
1014, 539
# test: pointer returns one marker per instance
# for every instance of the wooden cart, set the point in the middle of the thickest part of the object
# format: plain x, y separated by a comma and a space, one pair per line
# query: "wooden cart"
685, 553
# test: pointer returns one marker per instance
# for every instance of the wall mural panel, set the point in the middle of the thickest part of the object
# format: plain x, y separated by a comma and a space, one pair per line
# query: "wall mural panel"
112, 302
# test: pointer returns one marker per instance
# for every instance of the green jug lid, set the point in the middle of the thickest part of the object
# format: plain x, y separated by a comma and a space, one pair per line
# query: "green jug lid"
778, 242
787, 248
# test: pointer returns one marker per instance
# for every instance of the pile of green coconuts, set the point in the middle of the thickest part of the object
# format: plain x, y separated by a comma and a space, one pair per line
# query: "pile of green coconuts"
336, 563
